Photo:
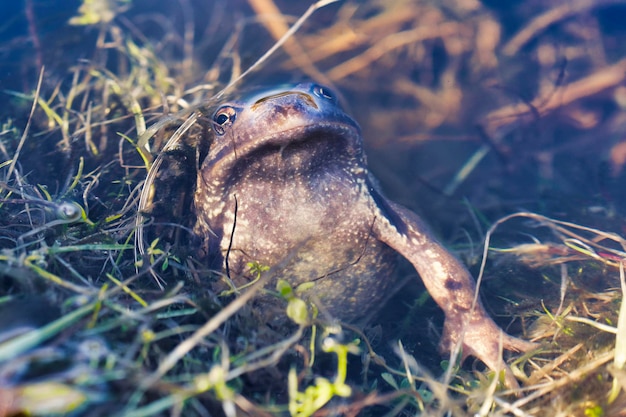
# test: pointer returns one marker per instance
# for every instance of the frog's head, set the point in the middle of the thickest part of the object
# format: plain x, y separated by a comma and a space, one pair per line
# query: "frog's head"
295, 130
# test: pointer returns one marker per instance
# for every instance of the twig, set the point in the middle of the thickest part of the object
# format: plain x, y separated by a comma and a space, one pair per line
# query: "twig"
278, 28
293, 29
595, 83
543, 21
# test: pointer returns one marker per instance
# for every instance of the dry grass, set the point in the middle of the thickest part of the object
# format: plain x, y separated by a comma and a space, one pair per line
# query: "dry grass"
515, 106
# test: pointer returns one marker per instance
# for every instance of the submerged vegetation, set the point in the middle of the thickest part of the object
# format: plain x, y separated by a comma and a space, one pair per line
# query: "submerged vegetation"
471, 111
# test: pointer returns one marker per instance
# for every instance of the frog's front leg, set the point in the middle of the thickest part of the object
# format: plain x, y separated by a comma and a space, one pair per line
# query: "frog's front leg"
451, 286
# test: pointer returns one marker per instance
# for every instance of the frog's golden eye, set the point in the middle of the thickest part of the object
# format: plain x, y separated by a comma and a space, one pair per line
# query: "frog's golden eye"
324, 92
223, 117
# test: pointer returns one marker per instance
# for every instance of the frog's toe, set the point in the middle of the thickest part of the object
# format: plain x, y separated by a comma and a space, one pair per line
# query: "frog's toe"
518, 345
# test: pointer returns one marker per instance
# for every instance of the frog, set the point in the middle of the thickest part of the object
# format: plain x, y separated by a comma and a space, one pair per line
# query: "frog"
285, 184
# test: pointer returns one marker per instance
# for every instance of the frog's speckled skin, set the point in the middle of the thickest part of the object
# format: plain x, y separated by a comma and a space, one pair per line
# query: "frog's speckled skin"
285, 182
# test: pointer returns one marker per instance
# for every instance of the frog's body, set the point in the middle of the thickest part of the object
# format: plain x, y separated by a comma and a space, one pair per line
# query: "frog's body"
285, 184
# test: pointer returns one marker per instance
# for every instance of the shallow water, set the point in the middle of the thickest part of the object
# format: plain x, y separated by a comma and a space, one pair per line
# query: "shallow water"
537, 108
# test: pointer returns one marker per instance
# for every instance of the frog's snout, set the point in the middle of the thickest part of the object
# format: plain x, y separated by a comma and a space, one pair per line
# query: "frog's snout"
287, 96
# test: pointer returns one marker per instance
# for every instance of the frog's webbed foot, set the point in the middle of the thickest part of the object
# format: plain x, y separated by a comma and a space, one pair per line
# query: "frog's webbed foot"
483, 339
449, 283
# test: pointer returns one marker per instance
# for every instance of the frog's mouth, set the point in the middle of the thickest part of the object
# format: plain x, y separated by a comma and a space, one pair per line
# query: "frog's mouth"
302, 150
334, 139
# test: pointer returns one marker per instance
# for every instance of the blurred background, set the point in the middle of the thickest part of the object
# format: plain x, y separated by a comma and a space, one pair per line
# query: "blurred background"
494, 105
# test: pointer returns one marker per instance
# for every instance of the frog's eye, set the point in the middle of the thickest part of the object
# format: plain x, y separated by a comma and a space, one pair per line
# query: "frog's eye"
324, 92
223, 117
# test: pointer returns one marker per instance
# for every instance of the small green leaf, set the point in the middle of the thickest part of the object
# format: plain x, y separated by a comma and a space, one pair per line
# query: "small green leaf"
389, 379
595, 411
48, 398
297, 311
284, 289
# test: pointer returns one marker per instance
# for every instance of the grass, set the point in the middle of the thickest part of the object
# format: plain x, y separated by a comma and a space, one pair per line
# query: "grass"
98, 316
